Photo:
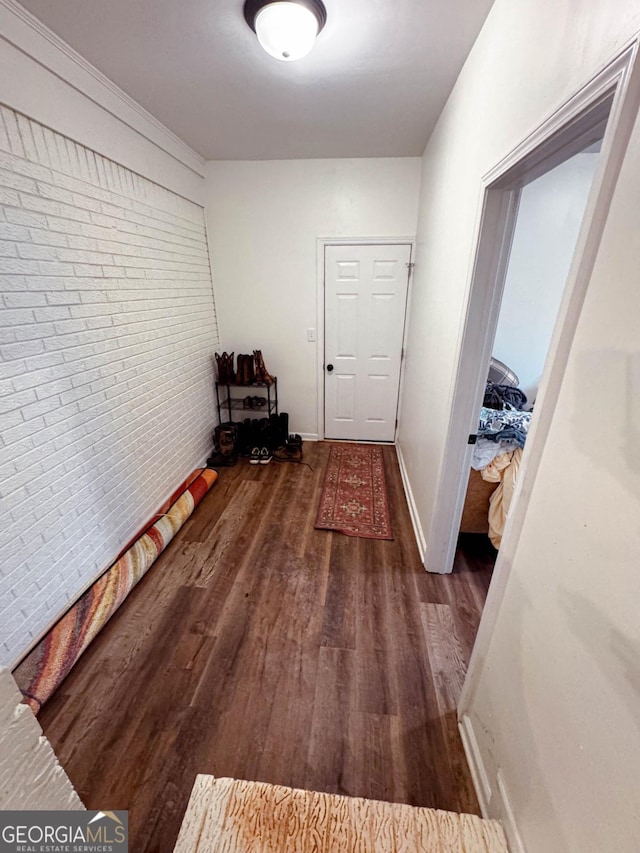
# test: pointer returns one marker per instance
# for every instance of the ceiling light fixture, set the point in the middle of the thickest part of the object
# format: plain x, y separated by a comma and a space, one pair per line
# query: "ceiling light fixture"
286, 29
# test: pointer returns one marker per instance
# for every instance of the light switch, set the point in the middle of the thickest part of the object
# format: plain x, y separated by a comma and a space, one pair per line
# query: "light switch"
311, 335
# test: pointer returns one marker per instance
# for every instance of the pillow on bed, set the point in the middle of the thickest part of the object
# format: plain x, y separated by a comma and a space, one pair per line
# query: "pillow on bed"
500, 374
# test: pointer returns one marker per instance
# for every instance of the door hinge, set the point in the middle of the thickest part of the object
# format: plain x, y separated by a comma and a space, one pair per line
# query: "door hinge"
472, 439
410, 266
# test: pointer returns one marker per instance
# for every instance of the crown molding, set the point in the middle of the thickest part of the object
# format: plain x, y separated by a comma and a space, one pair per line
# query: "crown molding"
26, 32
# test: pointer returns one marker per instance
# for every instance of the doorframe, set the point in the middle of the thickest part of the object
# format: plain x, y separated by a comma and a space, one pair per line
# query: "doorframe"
321, 244
619, 81
494, 227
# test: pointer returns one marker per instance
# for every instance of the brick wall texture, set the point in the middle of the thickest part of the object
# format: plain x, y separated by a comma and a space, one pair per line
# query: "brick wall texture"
107, 334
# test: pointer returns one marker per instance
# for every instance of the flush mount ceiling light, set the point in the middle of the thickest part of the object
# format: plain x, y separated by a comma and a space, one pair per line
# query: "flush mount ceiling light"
286, 29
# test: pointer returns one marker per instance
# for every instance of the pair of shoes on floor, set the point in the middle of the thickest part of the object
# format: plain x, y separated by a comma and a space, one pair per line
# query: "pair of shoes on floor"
260, 455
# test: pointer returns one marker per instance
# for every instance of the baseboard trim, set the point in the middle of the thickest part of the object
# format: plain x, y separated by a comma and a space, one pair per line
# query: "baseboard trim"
476, 765
495, 803
421, 539
508, 818
309, 436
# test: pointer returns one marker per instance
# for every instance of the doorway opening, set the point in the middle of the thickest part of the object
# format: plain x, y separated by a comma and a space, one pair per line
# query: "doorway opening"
545, 233
604, 109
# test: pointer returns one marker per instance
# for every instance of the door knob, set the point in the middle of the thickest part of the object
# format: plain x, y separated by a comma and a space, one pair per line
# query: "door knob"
329, 368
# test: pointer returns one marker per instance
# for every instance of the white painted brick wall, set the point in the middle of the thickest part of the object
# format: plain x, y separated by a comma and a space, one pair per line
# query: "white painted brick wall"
30, 776
107, 334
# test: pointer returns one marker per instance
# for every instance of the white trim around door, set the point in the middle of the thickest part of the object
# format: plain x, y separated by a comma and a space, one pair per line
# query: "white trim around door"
611, 97
617, 86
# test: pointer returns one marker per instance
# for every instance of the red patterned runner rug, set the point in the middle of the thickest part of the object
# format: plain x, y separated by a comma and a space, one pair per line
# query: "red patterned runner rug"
354, 496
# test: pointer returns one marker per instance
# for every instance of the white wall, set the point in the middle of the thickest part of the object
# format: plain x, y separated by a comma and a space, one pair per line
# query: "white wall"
557, 702
30, 776
263, 220
549, 218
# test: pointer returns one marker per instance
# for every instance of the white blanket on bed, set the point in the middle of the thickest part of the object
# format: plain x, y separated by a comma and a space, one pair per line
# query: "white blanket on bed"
485, 451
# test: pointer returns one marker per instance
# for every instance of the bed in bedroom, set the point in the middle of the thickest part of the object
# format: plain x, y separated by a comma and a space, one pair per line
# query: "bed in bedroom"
502, 431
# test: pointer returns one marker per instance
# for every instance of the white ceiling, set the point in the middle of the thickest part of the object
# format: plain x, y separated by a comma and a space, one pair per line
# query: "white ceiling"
373, 86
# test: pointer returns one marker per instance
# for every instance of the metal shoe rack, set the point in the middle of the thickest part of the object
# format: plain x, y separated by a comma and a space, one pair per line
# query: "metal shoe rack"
229, 403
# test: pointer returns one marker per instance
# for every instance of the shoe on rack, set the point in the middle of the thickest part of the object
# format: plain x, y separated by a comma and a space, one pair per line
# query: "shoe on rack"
261, 374
265, 456
226, 373
245, 374
254, 456
239, 380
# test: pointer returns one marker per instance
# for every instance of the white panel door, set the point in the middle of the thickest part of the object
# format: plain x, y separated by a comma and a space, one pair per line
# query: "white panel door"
365, 304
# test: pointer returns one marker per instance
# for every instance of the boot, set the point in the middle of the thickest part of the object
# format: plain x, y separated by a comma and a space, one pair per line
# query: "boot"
262, 374
245, 375
229, 370
219, 367
279, 429
249, 371
291, 450
274, 432
244, 444
254, 434
224, 363
266, 433
240, 372
226, 454
284, 426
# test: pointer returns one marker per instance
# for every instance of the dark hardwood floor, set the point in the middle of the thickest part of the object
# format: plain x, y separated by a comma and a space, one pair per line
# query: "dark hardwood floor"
260, 648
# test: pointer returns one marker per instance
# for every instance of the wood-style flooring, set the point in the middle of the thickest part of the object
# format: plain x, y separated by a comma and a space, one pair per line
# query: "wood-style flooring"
260, 648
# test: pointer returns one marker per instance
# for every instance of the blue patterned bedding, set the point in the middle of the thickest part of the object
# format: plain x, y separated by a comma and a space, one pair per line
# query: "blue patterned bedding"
506, 425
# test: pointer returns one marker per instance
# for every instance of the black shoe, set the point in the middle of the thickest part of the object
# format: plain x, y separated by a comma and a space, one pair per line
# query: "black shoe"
254, 456
265, 433
283, 419
244, 442
222, 460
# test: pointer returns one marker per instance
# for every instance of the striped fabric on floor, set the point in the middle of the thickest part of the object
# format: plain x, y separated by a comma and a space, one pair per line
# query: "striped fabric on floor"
44, 668
232, 816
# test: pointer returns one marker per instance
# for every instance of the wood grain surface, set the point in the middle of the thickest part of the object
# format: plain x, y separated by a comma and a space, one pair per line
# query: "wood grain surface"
260, 648
233, 816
